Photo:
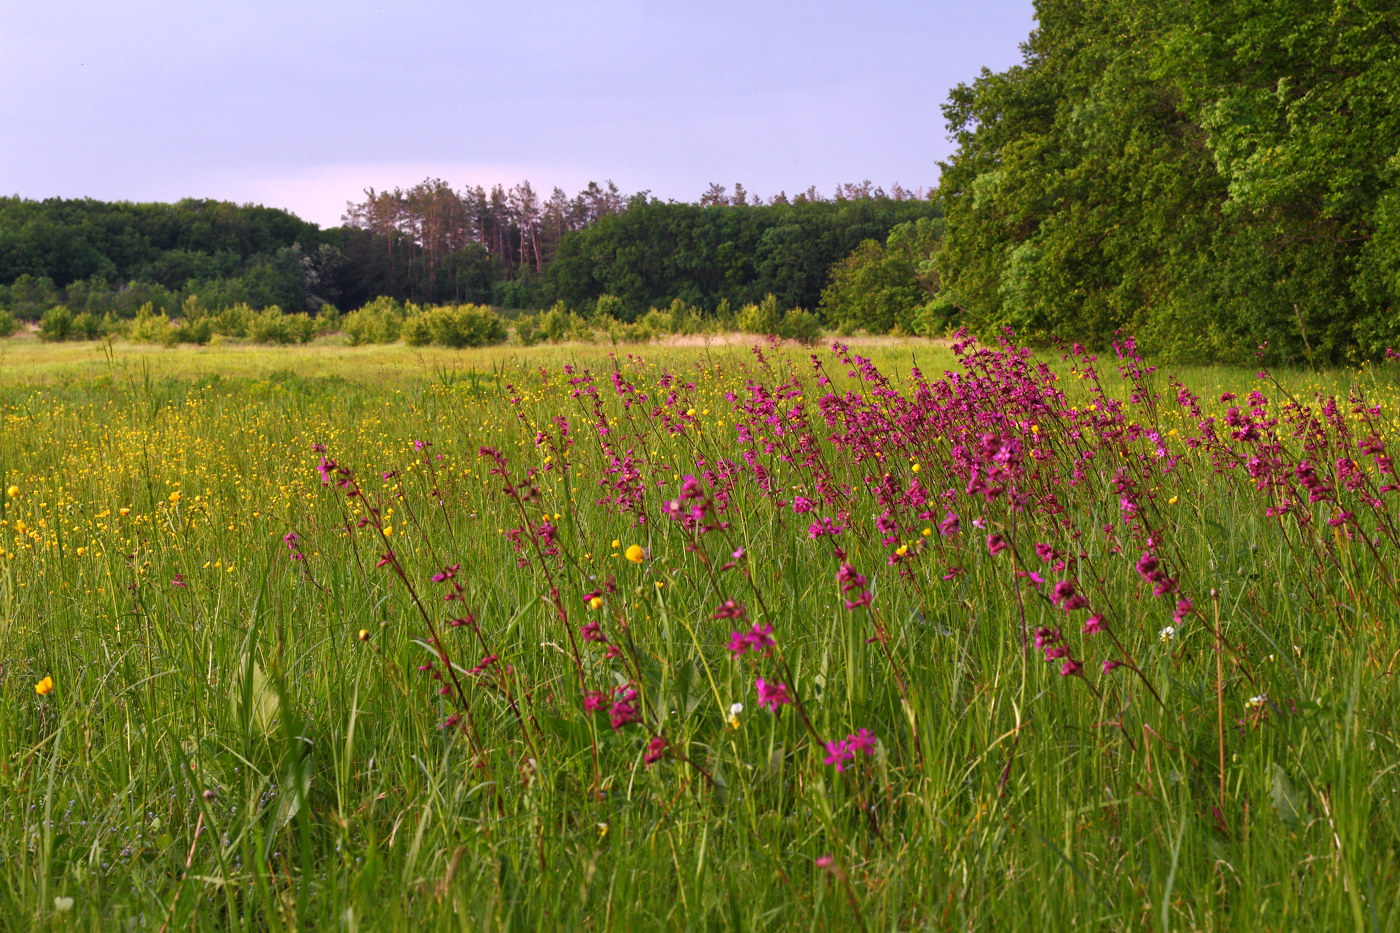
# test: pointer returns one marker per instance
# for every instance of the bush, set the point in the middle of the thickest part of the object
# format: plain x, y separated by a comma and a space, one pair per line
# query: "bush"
416, 331
149, 327
465, 326
114, 324
270, 325
933, 318
232, 322
86, 326
8, 323
801, 325
527, 330
377, 322
56, 324
197, 331
327, 319
762, 318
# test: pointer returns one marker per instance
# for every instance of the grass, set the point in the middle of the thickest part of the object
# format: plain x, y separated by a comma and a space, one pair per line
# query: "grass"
240, 739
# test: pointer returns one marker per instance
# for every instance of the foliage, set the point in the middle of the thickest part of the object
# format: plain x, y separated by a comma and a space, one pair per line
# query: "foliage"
56, 324
876, 288
8, 323
150, 327
380, 321
465, 326
271, 325
1213, 176
656, 252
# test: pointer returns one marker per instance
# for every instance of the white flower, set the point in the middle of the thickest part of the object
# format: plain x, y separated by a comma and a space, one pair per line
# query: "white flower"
1256, 702
1168, 633
735, 709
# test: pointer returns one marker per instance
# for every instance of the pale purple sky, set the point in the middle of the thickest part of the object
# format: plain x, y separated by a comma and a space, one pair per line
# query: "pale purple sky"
302, 104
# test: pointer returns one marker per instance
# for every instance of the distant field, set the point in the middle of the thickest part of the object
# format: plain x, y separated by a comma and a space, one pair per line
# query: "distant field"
664, 636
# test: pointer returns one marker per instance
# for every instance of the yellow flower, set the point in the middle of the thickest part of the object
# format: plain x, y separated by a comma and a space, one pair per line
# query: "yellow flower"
595, 603
902, 550
363, 634
175, 496
926, 532
44, 687
915, 468
616, 544
123, 511
12, 491
634, 553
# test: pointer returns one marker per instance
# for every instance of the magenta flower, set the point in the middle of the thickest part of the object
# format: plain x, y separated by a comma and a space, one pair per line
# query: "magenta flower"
656, 750
996, 544
772, 695
838, 753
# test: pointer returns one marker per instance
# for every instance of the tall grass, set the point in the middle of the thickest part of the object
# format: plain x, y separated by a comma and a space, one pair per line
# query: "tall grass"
266, 715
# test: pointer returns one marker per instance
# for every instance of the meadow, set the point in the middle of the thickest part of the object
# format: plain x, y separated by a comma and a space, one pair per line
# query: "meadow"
887, 636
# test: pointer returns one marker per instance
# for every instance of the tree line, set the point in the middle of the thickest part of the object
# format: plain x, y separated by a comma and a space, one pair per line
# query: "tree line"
433, 244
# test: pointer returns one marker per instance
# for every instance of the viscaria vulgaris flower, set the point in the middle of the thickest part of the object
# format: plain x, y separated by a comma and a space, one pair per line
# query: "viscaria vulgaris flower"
772, 695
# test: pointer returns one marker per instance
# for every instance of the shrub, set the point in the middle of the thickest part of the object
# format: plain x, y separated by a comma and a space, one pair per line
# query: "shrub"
233, 321
465, 326
8, 323
327, 319
801, 325
416, 331
197, 331
270, 325
149, 327
762, 318
527, 330
86, 326
114, 324
56, 324
933, 318
377, 322
608, 306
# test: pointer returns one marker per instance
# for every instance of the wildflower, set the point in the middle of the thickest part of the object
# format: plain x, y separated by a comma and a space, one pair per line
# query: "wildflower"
595, 603
616, 544
45, 686
1110, 665
729, 609
656, 749
362, 634
1168, 633
772, 695
12, 491
862, 741
838, 753
1256, 702
1072, 668
734, 710
1093, 624
996, 544
593, 700
634, 553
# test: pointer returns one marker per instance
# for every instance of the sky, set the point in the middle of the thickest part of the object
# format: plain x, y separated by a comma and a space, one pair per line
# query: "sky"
302, 105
